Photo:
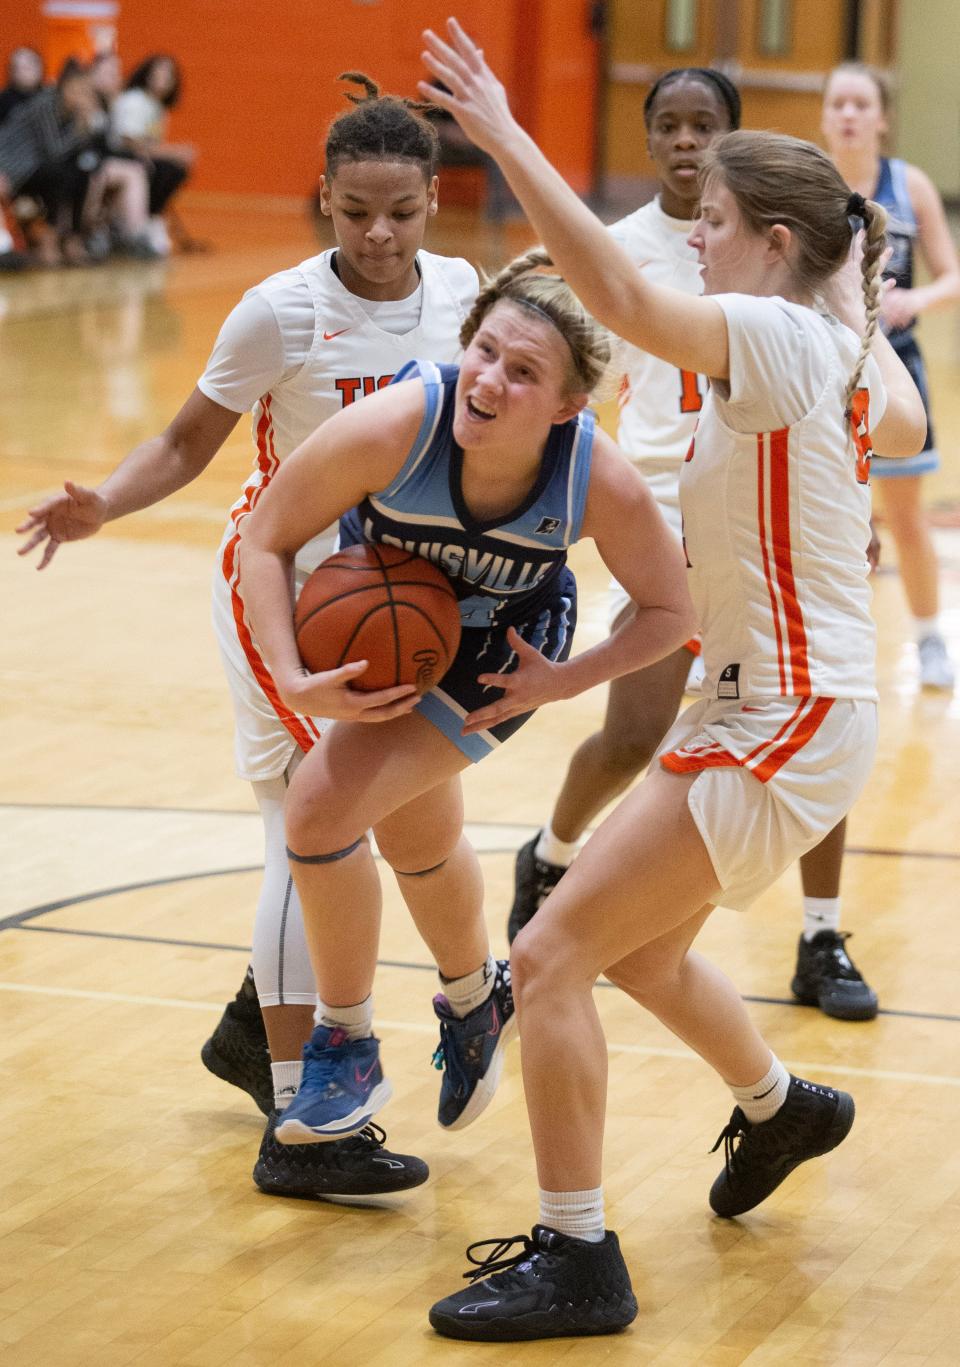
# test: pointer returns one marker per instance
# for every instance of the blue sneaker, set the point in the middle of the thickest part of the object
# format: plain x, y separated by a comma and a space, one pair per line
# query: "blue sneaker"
471, 1051
342, 1088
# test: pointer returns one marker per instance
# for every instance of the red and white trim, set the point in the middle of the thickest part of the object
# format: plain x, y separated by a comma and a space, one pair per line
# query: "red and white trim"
304, 730
765, 759
773, 527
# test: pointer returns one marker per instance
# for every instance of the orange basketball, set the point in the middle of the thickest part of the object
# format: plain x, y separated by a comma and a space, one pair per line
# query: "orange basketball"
381, 604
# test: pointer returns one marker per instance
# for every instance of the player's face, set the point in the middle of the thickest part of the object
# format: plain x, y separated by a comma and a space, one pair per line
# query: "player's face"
379, 211
514, 382
731, 254
686, 117
853, 118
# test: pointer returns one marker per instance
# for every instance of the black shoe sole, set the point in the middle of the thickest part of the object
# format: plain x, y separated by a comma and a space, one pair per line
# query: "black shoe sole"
228, 1072
841, 1011
839, 1128
523, 1328
345, 1190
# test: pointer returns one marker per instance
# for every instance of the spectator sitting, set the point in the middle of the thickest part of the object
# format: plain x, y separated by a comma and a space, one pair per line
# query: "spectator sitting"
40, 147
138, 124
24, 79
116, 212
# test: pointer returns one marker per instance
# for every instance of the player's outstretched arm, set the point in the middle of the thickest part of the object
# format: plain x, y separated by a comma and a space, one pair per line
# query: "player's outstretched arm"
150, 472
686, 330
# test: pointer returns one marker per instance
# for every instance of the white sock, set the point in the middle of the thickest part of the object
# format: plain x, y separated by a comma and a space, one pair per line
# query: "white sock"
472, 990
550, 849
926, 626
765, 1097
286, 1082
356, 1022
820, 913
579, 1213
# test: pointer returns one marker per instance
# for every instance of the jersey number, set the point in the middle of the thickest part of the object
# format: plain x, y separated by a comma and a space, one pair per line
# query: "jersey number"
691, 400
860, 427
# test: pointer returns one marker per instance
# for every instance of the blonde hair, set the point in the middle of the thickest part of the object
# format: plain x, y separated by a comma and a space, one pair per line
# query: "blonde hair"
591, 346
777, 179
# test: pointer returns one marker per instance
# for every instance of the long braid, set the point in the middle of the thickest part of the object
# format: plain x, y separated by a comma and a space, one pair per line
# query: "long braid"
875, 237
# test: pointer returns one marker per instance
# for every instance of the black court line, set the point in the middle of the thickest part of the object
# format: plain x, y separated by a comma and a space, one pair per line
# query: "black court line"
20, 921
868, 851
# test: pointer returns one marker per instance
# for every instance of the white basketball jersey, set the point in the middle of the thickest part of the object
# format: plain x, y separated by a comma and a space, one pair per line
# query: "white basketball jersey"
659, 404
332, 353
776, 509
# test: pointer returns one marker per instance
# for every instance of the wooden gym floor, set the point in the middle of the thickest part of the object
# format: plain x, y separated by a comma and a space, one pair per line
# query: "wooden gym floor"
130, 1231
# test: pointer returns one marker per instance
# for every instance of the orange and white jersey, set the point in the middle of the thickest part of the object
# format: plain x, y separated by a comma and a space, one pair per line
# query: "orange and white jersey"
776, 509
298, 348
659, 404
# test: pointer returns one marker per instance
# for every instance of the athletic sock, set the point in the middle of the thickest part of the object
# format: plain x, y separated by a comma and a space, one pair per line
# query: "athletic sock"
356, 1022
286, 1082
926, 626
551, 849
472, 990
765, 1097
820, 913
578, 1213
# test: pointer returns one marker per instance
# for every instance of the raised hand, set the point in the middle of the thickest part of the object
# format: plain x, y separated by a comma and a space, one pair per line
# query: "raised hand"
474, 97
535, 681
70, 516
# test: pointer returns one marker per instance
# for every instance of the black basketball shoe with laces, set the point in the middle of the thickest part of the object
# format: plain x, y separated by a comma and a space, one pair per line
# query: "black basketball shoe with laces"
812, 1121
555, 1287
237, 1051
357, 1166
534, 880
827, 977
471, 1051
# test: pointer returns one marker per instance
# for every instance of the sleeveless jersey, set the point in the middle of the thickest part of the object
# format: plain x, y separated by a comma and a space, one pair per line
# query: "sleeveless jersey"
343, 355
776, 508
902, 230
505, 569
659, 404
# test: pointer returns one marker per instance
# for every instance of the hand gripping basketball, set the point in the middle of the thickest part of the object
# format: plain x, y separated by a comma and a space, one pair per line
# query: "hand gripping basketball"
378, 603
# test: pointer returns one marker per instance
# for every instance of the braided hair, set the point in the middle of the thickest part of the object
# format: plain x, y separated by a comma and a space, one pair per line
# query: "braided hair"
778, 179
591, 347
381, 128
727, 92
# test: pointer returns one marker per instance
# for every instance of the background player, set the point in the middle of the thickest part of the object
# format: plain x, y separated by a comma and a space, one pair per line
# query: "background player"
659, 408
856, 109
776, 519
303, 345
493, 470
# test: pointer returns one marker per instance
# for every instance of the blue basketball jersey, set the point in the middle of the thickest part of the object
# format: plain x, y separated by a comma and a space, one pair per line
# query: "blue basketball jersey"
505, 569
902, 230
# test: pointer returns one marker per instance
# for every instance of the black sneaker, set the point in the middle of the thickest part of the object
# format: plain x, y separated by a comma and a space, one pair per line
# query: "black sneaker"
358, 1166
471, 1051
237, 1051
534, 880
555, 1287
812, 1121
827, 977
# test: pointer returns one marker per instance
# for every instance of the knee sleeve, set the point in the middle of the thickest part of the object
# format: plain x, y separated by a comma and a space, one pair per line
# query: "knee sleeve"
281, 964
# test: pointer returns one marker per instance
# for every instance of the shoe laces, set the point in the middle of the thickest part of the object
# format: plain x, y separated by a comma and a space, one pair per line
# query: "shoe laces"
545, 879
320, 1067
371, 1138
495, 1261
834, 961
448, 1056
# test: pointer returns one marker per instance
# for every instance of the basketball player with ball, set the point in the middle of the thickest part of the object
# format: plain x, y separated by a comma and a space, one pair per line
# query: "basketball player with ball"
491, 471
306, 343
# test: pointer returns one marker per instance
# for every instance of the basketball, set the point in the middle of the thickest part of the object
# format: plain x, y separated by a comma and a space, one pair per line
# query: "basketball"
382, 604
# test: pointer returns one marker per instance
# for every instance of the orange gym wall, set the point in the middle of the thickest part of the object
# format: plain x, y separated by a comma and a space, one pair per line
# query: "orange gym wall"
259, 77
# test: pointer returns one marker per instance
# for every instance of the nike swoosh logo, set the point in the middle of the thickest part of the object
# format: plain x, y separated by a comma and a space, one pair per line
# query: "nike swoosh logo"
329, 336
763, 1094
362, 1077
751, 709
495, 1028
